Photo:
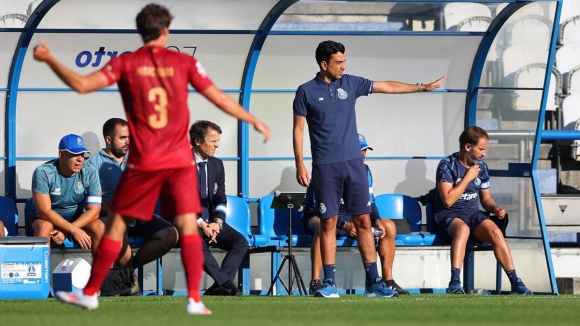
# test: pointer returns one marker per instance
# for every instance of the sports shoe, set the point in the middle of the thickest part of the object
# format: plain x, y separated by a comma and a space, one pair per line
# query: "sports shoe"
455, 288
196, 308
380, 290
520, 288
234, 291
135, 289
328, 290
315, 285
395, 287
79, 298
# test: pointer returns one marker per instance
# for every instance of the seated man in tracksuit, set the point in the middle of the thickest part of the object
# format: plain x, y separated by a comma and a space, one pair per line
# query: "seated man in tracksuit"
345, 227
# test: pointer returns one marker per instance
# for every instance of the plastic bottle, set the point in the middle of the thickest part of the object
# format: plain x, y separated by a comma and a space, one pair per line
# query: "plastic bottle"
480, 292
377, 232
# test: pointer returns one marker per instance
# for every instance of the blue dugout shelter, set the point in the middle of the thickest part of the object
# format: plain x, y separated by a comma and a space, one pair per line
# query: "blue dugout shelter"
494, 54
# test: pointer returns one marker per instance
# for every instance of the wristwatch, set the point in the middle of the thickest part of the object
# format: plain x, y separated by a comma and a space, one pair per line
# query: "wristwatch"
341, 224
220, 224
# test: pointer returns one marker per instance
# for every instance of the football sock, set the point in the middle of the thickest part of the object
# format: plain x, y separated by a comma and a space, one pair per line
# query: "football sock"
192, 260
371, 272
390, 282
455, 273
329, 272
513, 276
105, 256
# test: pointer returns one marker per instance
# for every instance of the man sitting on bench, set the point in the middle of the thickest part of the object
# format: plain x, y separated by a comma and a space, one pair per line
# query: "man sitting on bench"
461, 178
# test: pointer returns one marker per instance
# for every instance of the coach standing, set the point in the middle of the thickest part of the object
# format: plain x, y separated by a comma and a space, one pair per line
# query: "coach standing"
327, 104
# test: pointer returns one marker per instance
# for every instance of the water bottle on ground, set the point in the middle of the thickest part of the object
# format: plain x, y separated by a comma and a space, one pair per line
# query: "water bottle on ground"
480, 292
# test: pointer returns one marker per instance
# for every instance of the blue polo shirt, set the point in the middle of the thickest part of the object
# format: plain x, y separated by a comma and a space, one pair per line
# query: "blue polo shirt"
329, 109
450, 170
68, 195
109, 172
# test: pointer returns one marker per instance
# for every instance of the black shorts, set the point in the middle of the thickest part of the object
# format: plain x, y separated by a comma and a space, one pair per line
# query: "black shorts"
146, 229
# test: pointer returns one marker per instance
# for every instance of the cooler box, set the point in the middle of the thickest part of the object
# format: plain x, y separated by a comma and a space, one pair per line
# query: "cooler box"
24, 268
71, 274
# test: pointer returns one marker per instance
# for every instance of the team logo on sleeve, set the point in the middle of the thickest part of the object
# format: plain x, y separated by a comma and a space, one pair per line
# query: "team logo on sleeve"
322, 208
342, 94
477, 182
79, 189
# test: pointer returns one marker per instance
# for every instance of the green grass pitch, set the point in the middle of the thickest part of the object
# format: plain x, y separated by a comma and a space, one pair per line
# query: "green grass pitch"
353, 310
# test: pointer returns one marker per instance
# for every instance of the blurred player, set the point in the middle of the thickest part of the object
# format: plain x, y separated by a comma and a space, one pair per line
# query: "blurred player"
153, 85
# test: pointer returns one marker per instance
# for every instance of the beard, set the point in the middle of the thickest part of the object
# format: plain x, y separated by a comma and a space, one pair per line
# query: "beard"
119, 152
472, 158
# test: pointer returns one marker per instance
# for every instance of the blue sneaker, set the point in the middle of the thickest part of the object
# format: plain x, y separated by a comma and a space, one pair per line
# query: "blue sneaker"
519, 288
380, 290
455, 288
328, 290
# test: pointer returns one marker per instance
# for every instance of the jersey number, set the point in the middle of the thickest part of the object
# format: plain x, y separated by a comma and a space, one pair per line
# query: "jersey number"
158, 120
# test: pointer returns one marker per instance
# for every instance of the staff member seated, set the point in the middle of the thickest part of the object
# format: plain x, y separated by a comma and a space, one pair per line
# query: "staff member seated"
66, 198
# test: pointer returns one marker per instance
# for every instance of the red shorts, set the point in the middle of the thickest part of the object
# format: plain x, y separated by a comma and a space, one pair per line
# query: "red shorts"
137, 193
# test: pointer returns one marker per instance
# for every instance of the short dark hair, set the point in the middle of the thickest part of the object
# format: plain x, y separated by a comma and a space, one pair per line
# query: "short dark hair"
199, 129
152, 19
110, 126
471, 136
326, 49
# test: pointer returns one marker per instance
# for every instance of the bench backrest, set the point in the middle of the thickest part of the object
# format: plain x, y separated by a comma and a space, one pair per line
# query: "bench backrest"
274, 223
238, 217
398, 206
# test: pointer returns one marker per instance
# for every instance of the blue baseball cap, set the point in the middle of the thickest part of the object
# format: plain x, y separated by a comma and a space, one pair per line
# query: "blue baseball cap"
363, 143
74, 144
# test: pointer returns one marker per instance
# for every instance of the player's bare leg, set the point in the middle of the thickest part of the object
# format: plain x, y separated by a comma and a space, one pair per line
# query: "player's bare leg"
192, 260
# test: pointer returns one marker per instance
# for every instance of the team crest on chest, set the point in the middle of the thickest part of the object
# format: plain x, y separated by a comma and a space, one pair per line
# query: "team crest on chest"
342, 94
79, 189
477, 181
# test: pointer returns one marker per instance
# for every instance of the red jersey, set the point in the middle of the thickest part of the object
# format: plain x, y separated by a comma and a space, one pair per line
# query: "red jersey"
153, 84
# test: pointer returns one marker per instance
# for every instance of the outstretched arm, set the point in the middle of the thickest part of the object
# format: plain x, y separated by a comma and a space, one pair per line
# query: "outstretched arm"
229, 106
81, 84
395, 87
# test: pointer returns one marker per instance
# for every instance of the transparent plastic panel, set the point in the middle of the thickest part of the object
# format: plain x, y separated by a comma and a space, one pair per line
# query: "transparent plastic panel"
269, 176
511, 124
223, 56
43, 118
15, 13
516, 195
386, 16
405, 124
410, 177
25, 168
288, 61
523, 41
24, 171
231, 170
188, 15
9, 41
